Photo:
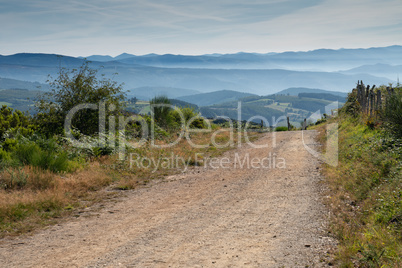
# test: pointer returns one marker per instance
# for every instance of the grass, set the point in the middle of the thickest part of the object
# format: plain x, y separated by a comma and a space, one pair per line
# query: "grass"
5, 103
33, 196
365, 195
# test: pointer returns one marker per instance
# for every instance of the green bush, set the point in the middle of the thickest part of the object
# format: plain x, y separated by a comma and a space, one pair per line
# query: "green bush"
198, 123
14, 120
352, 106
34, 151
188, 114
4, 156
281, 129
31, 154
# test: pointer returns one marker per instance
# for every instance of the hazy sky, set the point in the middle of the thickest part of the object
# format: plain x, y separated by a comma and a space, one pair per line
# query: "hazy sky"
79, 28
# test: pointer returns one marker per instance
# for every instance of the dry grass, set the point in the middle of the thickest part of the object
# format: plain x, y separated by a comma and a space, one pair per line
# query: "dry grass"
46, 196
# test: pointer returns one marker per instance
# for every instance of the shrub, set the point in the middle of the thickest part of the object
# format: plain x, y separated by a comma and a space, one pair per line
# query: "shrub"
34, 151
281, 129
4, 156
188, 114
31, 154
14, 120
352, 106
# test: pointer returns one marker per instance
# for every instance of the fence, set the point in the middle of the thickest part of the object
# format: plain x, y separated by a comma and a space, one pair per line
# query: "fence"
371, 100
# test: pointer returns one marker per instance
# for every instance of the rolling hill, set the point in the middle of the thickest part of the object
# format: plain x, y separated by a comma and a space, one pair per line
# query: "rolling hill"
385, 70
260, 82
147, 93
221, 96
273, 108
294, 91
6, 83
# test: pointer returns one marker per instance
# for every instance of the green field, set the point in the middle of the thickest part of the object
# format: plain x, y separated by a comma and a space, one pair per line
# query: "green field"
5, 103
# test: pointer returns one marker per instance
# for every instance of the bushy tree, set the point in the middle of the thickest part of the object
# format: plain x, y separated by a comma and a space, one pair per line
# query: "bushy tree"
71, 88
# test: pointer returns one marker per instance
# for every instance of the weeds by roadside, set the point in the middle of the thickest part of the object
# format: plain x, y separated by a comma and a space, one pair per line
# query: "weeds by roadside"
365, 195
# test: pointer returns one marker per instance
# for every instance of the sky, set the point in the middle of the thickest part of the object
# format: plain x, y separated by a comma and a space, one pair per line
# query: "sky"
194, 27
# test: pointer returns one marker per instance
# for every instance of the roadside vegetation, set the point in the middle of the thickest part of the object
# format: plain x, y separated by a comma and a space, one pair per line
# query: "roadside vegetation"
366, 187
46, 174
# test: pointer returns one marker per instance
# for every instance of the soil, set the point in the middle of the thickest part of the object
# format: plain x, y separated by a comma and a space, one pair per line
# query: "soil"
232, 216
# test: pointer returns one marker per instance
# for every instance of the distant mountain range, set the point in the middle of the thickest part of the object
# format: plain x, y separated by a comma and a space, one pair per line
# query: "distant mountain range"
315, 60
392, 72
262, 74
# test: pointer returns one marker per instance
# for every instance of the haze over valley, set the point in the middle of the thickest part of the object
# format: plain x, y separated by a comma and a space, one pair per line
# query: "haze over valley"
261, 74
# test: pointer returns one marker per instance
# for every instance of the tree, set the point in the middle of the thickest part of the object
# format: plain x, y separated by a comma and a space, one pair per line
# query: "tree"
74, 87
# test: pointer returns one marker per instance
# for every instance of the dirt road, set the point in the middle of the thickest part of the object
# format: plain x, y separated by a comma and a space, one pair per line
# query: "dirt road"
233, 216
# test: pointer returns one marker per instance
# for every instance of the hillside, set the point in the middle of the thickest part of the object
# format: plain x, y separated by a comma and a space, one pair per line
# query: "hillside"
385, 70
20, 99
147, 93
272, 108
294, 91
216, 97
259, 82
6, 83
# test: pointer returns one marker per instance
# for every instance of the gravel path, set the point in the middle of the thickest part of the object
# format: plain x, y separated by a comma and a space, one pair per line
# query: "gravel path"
227, 217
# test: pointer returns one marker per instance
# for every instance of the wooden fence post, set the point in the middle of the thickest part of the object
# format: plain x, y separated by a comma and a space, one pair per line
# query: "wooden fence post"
371, 102
305, 124
288, 123
367, 99
379, 103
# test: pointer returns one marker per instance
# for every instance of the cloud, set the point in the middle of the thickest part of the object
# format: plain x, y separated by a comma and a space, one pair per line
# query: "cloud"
176, 26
